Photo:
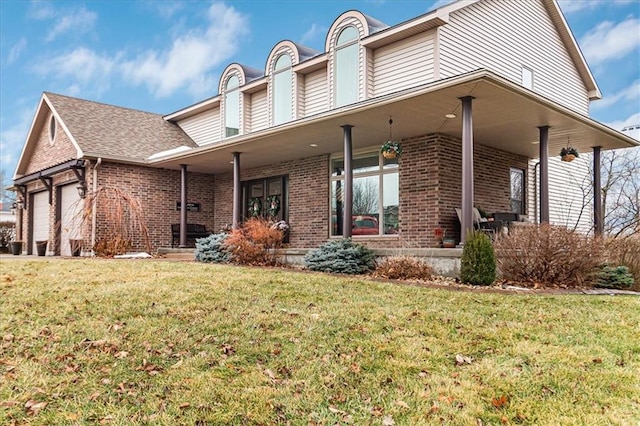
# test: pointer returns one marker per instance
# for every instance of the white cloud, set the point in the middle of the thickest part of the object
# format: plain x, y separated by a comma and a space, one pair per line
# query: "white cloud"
79, 21
573, 6
41, 9
166, 9
312, 33
609, 40
632, 120
191, 56
83, 66
17, 50
630, 93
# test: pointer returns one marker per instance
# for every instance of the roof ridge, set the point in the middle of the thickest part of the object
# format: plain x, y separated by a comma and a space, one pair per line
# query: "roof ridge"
103, 104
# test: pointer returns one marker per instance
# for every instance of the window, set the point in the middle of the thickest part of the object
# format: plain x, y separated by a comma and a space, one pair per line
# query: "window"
232, 107
52, 130
517, 191
346, 67
282, 82
375, 195
527, 78
266, 198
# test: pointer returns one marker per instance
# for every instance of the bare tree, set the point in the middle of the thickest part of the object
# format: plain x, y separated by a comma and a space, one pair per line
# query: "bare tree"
365, 197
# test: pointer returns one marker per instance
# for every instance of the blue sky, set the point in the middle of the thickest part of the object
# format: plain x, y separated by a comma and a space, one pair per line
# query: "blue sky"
161, 56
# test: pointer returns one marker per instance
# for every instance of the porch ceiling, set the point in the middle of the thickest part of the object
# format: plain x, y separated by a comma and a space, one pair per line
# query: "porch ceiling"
505, 116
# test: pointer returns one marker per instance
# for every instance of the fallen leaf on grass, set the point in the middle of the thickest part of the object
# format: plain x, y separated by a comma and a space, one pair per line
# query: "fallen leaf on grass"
34, 407
402, 404
500, 401
461, 359
9, 403
334, 410
388, 421
184, 405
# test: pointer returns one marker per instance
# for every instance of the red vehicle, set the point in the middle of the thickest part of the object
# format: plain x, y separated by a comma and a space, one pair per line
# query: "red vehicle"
365, 225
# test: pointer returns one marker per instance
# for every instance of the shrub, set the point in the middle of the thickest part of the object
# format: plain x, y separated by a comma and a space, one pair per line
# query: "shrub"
626, 252
255, 243
341, 256
614, 277
478, 263
548, 255
212, 249
7, 234
403, 268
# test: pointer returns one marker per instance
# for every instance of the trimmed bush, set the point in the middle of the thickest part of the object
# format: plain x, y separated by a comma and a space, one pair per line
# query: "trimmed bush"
614, 277
212, 249
478, 263
341, 256
403, 268
624, 251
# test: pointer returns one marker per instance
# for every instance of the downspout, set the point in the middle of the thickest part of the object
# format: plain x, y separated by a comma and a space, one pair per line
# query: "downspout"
94, 212
535, 192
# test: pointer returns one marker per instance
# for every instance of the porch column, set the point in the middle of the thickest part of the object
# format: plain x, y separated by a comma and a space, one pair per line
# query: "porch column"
183, 206
237, 191
597, 194
544, 174
467, 169
347, 202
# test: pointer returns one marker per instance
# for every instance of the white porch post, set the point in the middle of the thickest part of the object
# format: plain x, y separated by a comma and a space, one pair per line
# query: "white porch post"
467, 169
347, 202
237, 191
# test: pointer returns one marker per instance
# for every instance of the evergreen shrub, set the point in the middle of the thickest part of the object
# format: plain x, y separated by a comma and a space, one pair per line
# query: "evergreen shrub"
614, 277
341, 256
212, 249
478, 263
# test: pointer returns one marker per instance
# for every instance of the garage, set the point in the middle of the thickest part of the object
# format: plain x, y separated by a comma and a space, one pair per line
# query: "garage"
70, 217
40, 215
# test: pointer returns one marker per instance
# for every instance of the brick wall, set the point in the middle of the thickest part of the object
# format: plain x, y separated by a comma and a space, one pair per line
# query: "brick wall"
158, 190
45, 154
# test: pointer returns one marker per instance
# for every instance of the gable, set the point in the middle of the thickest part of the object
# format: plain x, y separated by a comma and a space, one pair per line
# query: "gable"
40, 150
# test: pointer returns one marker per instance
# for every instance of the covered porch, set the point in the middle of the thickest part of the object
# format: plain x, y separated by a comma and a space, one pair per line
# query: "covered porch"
475, 109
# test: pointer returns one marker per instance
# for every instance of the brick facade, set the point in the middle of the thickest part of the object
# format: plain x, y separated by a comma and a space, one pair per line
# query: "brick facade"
46, 154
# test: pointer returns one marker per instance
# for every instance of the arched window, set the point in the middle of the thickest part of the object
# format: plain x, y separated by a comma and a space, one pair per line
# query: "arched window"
282, 76
232, 107
346, 67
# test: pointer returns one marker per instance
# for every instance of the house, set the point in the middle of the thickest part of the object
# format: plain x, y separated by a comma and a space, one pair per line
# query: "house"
481, 95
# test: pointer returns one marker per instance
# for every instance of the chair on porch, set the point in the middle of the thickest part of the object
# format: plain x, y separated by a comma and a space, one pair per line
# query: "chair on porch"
490, 227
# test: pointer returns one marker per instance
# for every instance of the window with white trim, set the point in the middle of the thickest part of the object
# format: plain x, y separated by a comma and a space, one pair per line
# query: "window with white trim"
346, 67
232, 107
376, 195
282, 92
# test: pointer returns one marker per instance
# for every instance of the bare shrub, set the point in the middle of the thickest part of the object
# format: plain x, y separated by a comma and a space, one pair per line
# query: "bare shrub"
122, 214
624, 252
548, 255
255, 243
403, 268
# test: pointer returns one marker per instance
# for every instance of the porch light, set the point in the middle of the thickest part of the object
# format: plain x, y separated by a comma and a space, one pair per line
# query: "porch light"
313, 145
450, 116
82, 189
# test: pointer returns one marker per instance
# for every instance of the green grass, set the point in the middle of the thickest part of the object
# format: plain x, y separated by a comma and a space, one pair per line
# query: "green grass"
165, 343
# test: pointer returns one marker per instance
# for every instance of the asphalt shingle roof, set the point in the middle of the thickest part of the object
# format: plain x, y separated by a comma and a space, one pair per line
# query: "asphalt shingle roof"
116, 132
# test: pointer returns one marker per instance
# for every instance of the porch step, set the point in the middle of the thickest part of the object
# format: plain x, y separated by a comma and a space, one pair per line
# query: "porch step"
177, 253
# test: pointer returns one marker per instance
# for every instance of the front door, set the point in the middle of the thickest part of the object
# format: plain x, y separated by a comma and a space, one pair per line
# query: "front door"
266, 198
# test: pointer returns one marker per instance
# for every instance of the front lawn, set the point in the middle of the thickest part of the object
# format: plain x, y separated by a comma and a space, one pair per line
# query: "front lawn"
164, 343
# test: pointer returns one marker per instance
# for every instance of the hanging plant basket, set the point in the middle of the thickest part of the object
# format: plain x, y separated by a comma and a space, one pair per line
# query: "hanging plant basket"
568, 154
391, 149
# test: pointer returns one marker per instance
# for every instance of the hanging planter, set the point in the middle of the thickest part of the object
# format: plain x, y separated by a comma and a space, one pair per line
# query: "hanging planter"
568, 154
255, 207
391, 149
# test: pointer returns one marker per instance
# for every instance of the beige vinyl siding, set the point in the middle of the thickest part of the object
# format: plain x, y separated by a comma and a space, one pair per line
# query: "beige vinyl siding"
203, 128
404, 64
569, 203
503, 36
258, 118
316, 92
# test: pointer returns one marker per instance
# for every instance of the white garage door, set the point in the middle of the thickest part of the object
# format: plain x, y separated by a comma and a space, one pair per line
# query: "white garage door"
71, 218
40, 219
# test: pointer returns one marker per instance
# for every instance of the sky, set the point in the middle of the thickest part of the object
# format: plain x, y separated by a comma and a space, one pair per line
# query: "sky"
162, 55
